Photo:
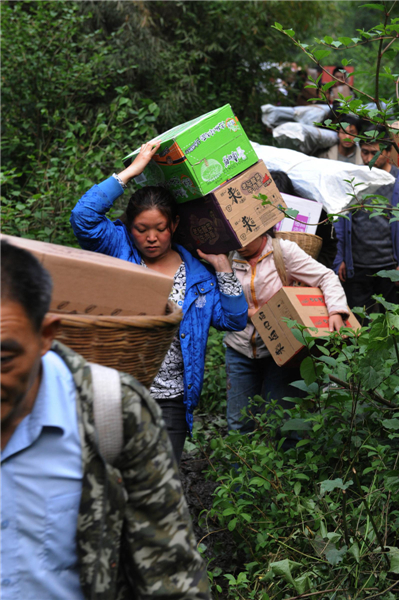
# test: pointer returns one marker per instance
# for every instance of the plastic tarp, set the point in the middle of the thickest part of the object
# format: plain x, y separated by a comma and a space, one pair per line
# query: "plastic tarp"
272, 116
322, 179
304, 138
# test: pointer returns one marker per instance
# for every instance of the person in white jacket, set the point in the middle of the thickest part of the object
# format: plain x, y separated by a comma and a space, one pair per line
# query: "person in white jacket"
250, 368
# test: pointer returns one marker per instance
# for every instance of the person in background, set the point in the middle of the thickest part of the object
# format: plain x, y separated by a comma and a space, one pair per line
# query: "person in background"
208, 295
368, 245
324, 230
340, 87
346, 150
250, 368
73, 525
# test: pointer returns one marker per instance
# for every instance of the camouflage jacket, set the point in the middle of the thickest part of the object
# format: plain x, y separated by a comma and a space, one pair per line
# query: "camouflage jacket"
134, 534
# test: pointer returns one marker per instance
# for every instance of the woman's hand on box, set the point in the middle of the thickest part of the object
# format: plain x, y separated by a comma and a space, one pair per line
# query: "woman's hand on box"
219, 262
335, 322
144, 156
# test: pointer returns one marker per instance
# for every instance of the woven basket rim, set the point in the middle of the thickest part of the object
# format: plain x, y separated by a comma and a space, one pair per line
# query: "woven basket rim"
298, 233
141, 321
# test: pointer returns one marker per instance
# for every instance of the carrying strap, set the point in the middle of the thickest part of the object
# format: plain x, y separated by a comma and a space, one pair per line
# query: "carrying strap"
107, 407
279, 261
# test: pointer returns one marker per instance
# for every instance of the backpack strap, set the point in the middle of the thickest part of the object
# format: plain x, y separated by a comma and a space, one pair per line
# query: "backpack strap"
279, 261
107, 407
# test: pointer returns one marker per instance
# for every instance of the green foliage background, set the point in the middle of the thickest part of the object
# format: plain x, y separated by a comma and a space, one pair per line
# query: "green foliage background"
85, 82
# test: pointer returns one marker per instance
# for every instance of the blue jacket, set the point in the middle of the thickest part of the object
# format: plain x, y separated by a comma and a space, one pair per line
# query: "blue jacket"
97, 233
343, 228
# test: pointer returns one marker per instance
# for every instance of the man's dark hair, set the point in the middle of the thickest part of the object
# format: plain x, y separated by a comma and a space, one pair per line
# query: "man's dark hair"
339, 70
336, 117
24, 280
382, 137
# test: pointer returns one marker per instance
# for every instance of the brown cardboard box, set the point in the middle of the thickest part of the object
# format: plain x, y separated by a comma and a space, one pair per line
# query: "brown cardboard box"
93, 283
394, 155
230, 217
303, 304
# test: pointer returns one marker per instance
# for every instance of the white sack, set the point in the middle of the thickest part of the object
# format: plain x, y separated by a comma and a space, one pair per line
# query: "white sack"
275, 115
322, 179
272, 116
304, 138
311, 113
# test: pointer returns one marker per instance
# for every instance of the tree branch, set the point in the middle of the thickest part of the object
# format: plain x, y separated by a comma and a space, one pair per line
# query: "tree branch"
374, 395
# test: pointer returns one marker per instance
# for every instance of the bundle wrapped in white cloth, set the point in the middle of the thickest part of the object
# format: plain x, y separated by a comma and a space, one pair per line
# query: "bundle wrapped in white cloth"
272, 116
321, 179
304, 138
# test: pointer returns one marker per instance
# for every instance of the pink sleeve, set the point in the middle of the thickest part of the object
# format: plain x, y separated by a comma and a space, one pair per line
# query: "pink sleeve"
302, 267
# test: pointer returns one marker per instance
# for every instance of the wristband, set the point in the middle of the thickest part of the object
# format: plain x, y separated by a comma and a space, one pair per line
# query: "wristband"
119, 180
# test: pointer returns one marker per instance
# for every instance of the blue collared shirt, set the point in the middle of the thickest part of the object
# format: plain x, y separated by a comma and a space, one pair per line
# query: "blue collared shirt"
40, 494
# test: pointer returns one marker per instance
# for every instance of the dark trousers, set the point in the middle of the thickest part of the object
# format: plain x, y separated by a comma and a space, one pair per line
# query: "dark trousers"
174, 415
363, 285
247, 377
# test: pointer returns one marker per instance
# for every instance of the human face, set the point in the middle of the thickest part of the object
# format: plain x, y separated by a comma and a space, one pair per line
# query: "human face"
21, 350
251, 249
370, 150
152, 235
346, 136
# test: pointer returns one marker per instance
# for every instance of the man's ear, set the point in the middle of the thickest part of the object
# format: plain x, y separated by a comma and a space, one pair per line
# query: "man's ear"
50, 327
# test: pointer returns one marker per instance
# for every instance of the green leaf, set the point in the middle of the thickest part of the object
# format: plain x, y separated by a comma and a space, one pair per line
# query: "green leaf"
232, 524
327, 86
374, 6
336, 44
302, 583
296, 425
355, 552
391, 423
297, 488
330, 485
283, 569
393, 559
328, 39
289, 32
393, 274
308, 371
320, 54
335, 556
278, 26
345, 40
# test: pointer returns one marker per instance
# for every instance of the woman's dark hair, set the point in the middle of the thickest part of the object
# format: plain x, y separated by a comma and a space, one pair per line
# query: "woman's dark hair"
283, 182
149, 198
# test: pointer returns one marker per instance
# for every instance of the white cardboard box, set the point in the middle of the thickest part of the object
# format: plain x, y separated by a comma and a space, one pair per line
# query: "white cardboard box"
307, 217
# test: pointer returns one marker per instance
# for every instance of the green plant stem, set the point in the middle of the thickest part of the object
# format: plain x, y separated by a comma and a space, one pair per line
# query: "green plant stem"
391, 587
359, 487
347, 542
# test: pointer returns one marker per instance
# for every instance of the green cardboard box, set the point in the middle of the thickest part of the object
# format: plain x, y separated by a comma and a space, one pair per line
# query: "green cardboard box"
196, 157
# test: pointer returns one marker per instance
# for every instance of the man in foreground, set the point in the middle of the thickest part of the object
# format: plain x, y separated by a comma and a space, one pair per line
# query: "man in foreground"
368, 245
73, 526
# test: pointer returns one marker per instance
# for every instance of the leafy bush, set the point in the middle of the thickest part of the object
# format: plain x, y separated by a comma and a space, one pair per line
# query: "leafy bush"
67, 126
213, 397
322, 518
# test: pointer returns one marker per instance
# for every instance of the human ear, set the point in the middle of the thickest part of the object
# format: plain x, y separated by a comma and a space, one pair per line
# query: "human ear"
175, 224
50, 327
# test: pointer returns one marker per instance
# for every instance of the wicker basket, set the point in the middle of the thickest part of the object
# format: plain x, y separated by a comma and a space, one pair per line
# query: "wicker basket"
135, 345
309, 242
